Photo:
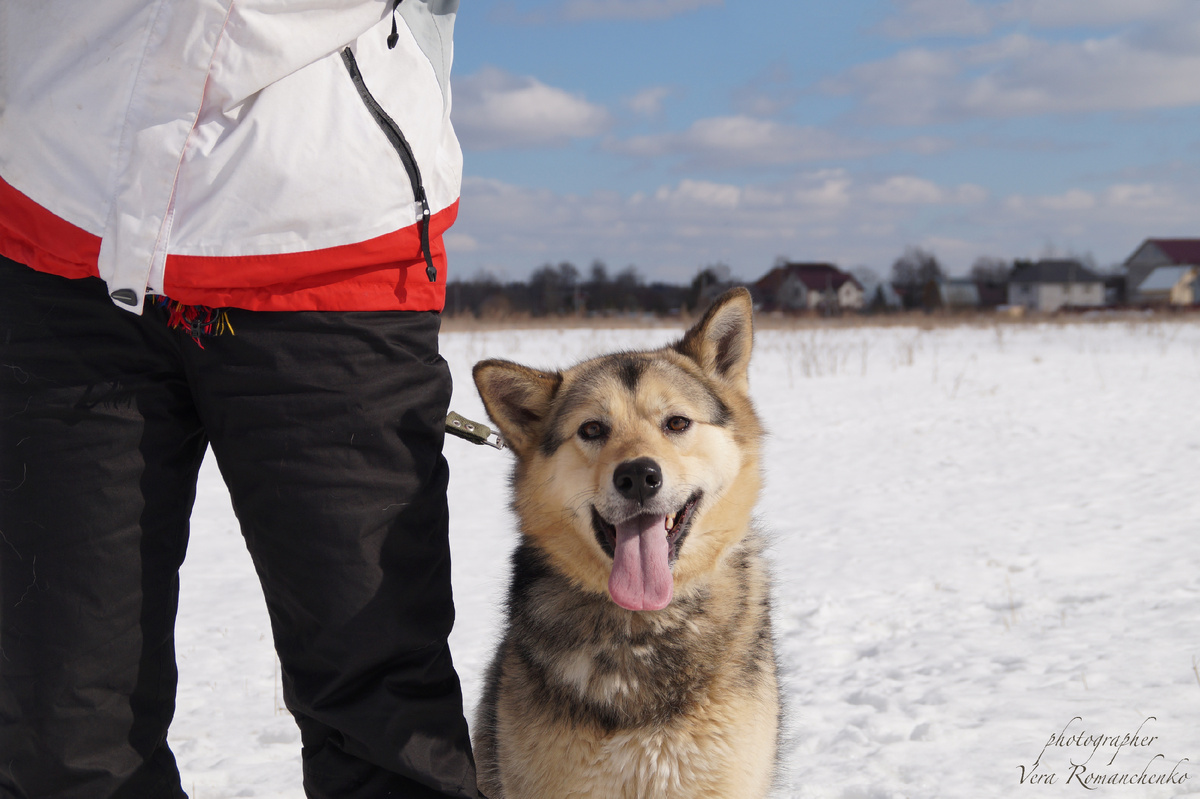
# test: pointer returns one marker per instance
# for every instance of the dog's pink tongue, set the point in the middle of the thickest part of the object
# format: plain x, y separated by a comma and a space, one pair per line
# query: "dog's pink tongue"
641, 573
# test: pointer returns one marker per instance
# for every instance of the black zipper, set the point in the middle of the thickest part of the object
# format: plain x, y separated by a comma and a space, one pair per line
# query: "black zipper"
400, 144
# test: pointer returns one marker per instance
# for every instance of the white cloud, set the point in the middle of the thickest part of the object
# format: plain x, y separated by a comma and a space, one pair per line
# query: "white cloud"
938, 18
699, 193
827, 214
906, 190
671, 231
649, 101
768, 92
584, 10
495, 110
926, 18
460, 242
827, 190
1070, 200
907, 89
1019, 76
1144, 196
740, 141
1093, 13
1095, 75
1136, 210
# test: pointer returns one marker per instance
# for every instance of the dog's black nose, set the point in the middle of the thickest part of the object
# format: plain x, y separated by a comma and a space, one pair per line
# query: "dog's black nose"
638, 479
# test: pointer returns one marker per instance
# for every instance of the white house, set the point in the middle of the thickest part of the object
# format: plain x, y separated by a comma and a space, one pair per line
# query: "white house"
958, 293
1170, 285
1049, 285
1153, 253
805, 286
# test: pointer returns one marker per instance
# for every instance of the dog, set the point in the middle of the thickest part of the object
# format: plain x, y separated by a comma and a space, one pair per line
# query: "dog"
638, 659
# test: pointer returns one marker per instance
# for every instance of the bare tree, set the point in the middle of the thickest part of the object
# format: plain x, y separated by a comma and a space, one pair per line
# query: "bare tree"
708, 283
626, 286
916, 267
598, 273
912, 272
553, 289
989, 269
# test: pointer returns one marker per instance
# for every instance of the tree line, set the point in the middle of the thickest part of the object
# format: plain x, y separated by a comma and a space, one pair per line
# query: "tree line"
563, 289
558, 290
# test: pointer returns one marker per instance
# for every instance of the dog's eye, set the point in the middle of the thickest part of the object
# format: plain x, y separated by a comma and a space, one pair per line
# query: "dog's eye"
677, 424
590, 431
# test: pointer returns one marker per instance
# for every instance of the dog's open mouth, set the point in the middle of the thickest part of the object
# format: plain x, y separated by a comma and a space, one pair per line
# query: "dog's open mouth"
674, 526
643, 549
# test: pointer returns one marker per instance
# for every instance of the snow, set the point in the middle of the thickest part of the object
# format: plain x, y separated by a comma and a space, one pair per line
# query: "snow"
983, 536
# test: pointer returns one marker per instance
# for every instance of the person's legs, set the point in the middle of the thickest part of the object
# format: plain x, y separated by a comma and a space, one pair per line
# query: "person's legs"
328, 431
99, 451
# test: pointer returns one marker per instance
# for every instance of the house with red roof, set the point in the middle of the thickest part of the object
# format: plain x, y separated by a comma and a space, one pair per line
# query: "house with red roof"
1154, 254
808, 286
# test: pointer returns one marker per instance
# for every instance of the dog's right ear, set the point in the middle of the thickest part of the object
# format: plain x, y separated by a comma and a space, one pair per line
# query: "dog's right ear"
517, 399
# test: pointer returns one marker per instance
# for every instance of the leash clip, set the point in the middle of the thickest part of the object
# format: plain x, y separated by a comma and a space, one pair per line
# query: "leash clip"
476, 433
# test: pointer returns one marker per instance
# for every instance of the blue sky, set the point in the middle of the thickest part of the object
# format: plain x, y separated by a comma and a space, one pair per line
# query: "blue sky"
674, 134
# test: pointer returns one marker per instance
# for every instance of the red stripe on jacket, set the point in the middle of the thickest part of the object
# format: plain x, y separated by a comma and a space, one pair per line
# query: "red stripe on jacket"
364, 276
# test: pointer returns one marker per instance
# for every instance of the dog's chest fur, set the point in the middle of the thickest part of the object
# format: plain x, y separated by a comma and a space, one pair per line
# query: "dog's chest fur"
617, 704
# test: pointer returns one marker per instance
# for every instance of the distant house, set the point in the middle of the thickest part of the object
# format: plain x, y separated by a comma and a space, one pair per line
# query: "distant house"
1051, 284
808, 286
1153, 253
956, 294
1171, 285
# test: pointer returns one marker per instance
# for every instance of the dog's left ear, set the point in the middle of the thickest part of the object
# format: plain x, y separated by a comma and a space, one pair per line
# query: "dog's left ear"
721, 341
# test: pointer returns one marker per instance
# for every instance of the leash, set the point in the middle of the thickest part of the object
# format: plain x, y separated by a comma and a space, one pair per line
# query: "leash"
476, 433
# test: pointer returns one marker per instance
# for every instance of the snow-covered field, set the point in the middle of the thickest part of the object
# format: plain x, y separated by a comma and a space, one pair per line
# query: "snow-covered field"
986, 540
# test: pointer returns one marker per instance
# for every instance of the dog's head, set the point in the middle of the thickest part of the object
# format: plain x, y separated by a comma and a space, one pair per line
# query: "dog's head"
636, 472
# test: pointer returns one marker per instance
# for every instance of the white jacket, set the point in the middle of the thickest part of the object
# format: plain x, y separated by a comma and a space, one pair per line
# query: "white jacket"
221, 152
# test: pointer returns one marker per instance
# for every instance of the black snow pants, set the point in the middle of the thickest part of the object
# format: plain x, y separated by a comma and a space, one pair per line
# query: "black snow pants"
327, 428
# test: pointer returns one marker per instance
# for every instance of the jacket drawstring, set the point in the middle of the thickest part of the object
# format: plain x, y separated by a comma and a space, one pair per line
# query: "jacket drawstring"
394, 36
